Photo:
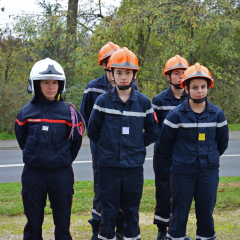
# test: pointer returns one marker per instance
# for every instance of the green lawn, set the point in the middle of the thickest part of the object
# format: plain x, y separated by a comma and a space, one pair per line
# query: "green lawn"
12, 219
11, 199
234, 127
7, 136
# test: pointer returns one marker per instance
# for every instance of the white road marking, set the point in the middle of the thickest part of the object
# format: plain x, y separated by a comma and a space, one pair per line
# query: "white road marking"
75, 162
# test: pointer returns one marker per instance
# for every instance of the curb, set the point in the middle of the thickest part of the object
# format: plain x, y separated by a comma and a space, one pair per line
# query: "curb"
13, 145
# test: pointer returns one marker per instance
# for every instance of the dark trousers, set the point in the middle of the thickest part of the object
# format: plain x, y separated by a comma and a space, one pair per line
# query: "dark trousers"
161, 166
120, 186
36, 185
201, 186
96, 210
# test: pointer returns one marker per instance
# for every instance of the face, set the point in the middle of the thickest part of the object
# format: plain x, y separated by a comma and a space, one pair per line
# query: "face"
49, 88
198, 88
176, 76
123, 76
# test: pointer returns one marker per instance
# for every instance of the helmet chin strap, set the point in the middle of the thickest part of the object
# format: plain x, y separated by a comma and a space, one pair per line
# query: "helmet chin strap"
200, 100
176, 86
107, 70
125, 87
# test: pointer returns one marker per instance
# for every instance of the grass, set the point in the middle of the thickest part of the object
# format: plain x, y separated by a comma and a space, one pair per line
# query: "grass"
7, 136
12, 219
11, 199
234, 127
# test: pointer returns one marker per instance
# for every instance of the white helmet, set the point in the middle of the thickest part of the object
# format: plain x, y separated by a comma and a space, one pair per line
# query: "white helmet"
46, 69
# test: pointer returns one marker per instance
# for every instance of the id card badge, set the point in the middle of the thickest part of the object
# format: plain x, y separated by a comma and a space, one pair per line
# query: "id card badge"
45, 128
125, 130
201, 137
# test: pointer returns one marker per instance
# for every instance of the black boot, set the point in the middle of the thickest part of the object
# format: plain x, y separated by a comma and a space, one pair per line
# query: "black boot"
94, 234
162, 233
119, 233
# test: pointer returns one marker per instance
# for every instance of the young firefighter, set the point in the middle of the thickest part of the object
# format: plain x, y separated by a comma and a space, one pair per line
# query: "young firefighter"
162, 104
92, 91
194, 135
50, 138
116, 125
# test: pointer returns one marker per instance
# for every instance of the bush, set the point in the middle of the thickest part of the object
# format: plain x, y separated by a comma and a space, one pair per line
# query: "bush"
13, 96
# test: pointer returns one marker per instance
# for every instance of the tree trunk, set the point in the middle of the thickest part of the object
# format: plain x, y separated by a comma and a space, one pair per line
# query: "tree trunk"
71, 40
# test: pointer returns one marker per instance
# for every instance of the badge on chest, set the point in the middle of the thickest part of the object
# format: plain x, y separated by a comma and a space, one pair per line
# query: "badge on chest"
201, 137
45, 128
125, 130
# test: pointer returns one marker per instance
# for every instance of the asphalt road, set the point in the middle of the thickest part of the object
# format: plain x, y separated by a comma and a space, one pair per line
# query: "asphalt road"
11, 164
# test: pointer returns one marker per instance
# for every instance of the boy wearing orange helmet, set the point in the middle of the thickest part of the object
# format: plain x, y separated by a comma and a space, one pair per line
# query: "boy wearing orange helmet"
194, 135
116, 125
92, 91
162, 104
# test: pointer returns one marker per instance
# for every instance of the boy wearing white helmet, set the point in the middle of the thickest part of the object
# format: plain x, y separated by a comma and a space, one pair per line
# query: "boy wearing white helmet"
50, 136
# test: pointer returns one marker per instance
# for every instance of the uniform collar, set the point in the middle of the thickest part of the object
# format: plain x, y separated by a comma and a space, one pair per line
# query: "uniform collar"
103, 81
106, 82
170, 94
43, 101
115, 97
186, 106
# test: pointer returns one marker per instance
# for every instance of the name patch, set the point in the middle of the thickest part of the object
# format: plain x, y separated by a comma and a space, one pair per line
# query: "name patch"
125, 130
45, 128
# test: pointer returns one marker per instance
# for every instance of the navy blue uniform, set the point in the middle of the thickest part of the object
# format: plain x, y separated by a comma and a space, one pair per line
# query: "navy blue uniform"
42, 129
117, 129
94, 89
194, 142
162, 104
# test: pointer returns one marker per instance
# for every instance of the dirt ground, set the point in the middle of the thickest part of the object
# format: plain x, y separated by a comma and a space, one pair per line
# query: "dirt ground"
227, 226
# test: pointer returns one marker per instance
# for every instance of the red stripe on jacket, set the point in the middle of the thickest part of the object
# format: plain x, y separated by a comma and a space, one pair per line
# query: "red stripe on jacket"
48, 121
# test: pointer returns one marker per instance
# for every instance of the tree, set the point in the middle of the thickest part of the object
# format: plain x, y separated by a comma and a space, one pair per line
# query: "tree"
71, 39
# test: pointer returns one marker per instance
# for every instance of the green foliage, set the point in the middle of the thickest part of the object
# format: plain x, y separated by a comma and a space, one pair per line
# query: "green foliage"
12, 98
205, 31
197, 30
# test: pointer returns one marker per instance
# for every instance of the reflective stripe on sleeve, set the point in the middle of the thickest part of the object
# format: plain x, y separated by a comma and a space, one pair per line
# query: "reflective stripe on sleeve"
194, 125
107, 110
98, 90
170, 124
163, 107
222, 124
124, 113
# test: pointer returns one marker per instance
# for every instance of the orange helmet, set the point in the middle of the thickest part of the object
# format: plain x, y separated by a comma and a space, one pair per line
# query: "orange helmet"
106, 51
123, 58
197, 71
175, 62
